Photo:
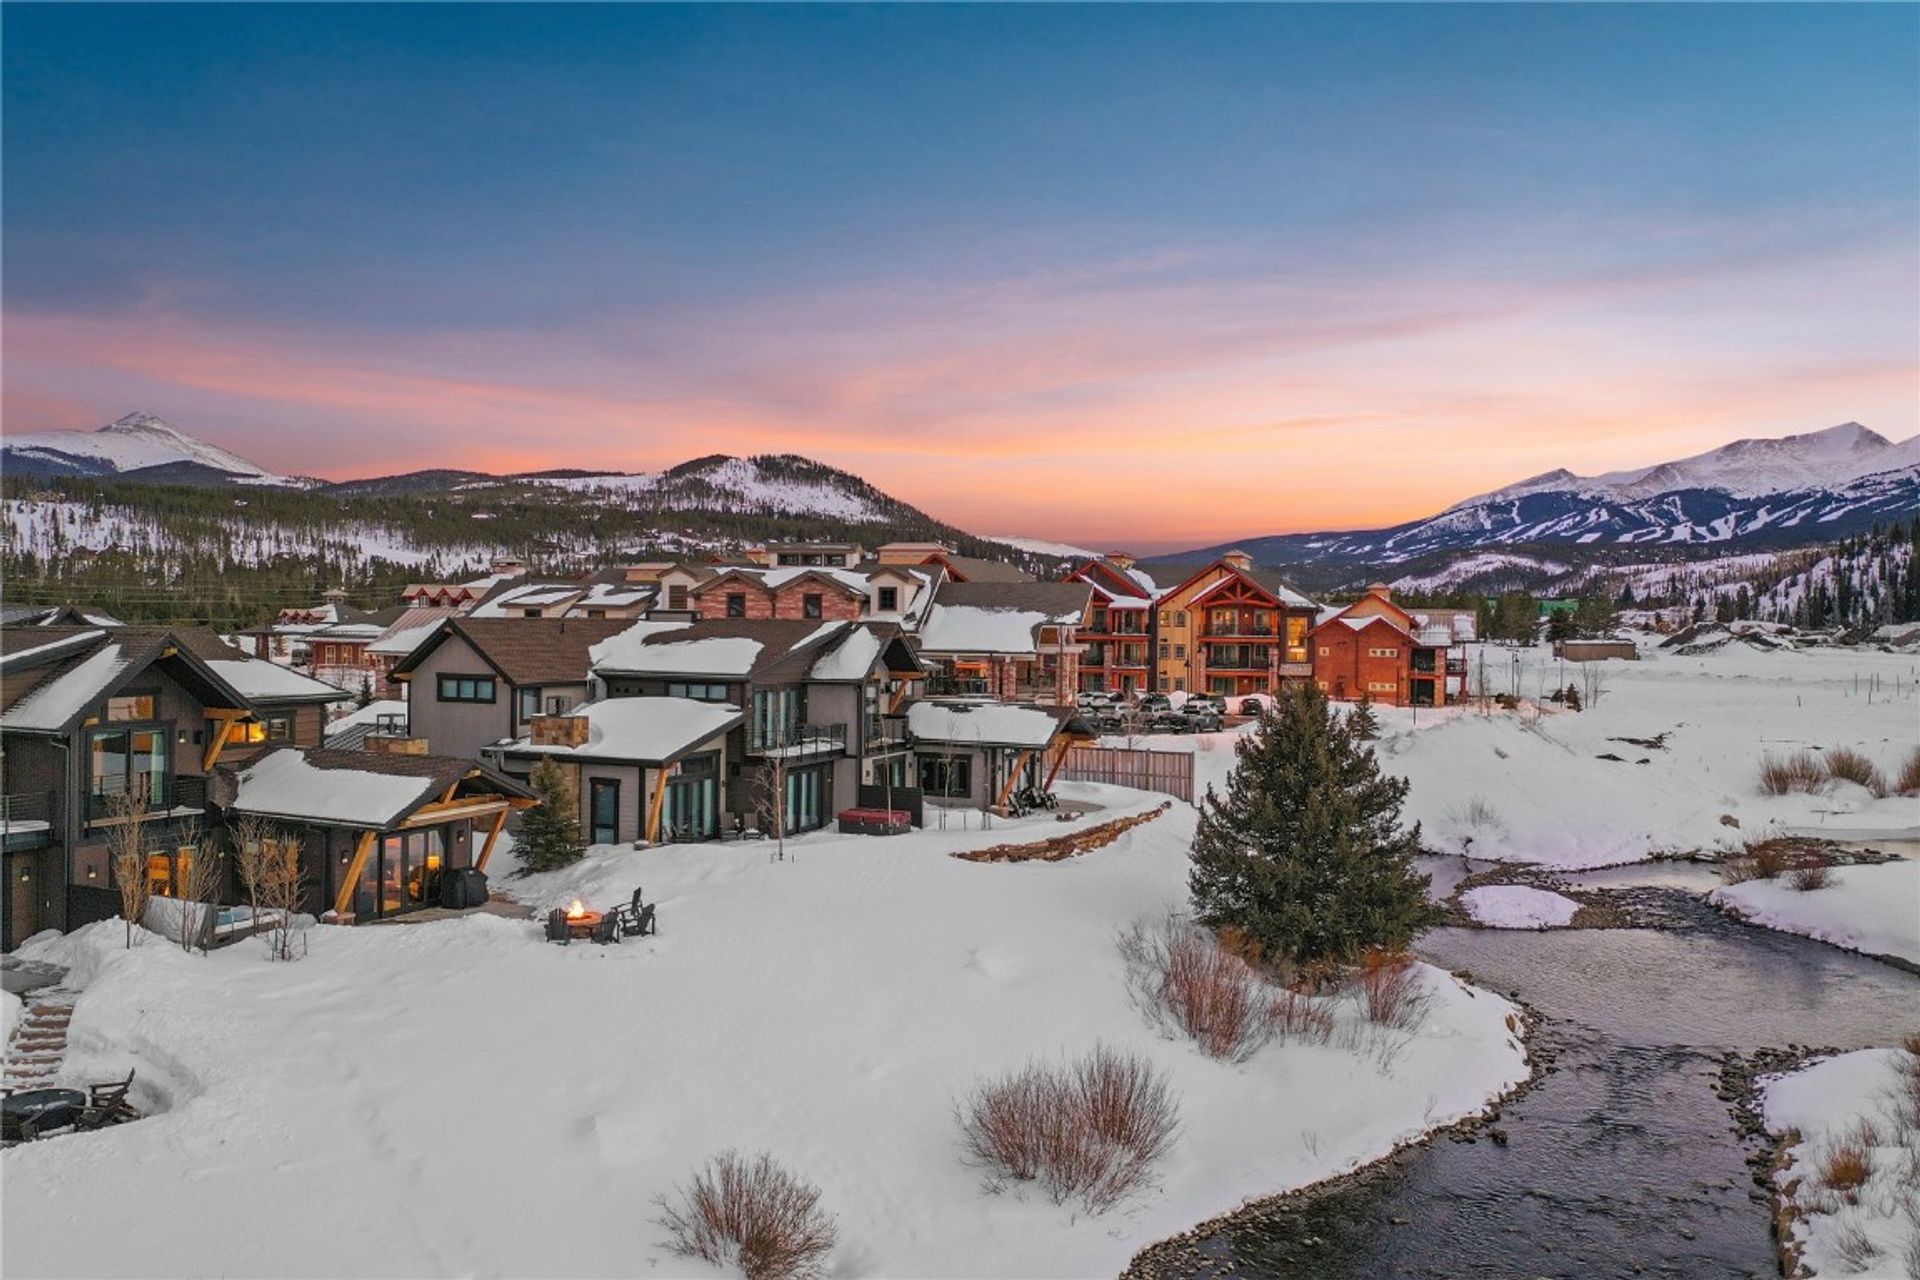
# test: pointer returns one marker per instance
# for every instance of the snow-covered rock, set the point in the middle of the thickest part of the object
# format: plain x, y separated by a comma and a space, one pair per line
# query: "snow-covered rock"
1518, 906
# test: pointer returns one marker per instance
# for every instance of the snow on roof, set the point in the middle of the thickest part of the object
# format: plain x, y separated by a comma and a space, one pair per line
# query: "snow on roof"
963, 628
534, 595
49, 707
653, 730
992, 723
708, 656
625, 650
617, 596
82, 640
283, 784
852, 659
410, 631
373, 713
258, 678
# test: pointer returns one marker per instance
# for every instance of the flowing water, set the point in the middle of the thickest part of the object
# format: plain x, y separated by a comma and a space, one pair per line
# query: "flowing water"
1621, 1161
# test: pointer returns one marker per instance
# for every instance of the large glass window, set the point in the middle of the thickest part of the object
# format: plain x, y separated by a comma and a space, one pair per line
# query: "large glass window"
949, 776
1296, 640
808, 793
603, 808
529, 703
411, 864
697, 691
776, 713
466, 689
693, 800
131, 706
127, 761
265, 729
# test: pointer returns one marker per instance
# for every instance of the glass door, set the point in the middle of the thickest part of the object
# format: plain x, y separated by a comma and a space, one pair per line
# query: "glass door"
603, 808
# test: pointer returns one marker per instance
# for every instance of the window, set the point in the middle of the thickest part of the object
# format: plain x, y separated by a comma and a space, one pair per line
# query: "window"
776, 715
529, 703
1297, 640
1325, 652
889, 599
265, 729
131, 706
677, 597
127, 761
1164, 685
1180, 618
1383, 653
698, 692
1165, 617
1179, 651
736, 604
529, 613
559, 705
466, 688
1180, 684
1381, 686
949, 776
1166, 651
810, 605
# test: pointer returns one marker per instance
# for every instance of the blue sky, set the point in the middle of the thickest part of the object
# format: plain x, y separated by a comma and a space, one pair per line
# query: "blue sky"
967, 251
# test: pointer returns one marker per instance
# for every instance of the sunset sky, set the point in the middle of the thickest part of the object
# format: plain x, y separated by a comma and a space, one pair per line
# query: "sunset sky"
1126, 276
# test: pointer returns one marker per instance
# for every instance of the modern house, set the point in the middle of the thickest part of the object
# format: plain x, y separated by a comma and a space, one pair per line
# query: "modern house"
1376, 649
377, 831
93, 720
476, 682
980, 754
1011, 641
820, 704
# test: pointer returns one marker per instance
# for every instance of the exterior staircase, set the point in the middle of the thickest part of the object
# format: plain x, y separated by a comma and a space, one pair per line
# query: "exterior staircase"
39, 1043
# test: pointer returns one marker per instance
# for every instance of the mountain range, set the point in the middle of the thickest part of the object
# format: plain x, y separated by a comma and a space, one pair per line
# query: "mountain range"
1750, 494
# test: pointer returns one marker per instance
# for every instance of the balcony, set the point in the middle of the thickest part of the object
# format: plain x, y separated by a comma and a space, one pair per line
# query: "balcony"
959, 686
1424, 662
884, 730
1238, 630
1456, 666
26, 820
1239, 658
170, 795
798, 740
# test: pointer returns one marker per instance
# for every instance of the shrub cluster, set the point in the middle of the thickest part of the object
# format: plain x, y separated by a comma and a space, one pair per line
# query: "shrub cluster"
1189, 984
751, 1214
1804, 771
1848, 765
1390, 990
1907, 783
1089, 1131
1800, 771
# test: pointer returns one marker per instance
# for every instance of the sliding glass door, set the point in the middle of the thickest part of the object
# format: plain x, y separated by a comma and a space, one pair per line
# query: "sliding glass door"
603, 810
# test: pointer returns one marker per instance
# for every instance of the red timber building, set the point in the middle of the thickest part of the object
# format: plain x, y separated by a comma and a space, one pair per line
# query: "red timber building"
1376, 649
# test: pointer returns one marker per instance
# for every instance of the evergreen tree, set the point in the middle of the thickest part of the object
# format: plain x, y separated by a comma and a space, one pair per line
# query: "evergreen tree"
550, 833
1305, 854
1362, 723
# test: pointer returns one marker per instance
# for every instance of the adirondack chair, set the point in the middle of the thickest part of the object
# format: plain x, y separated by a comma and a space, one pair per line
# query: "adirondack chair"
107, 1104
557, 927
608, 930
644, 923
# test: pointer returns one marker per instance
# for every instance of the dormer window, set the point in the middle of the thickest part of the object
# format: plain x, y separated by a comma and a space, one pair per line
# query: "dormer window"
736, 604
889, 599
812, 605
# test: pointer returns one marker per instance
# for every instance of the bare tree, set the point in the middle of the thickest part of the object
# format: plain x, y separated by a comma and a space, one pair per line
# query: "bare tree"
278, 890
770, 800
1593, 683
249, 834
197, 862
126, 834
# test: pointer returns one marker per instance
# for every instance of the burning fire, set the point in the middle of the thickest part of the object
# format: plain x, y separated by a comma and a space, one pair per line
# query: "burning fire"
576, 909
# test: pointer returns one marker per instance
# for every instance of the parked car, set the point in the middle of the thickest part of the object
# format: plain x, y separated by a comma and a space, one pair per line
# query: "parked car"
1200, 717
1154, 703
1251, 706
1211, 701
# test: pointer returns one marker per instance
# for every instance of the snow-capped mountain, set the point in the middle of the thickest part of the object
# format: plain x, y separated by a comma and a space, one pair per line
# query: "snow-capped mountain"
135, 443
1789, 492
776, 484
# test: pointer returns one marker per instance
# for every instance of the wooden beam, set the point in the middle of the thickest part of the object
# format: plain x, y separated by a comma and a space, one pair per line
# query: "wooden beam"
446, 797
433, 815
1059, 758
899, 696
493, 836
1013, 776
343, 900
219, 743
657, 807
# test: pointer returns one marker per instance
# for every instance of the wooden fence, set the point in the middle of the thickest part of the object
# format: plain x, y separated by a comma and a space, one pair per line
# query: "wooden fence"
1168, 771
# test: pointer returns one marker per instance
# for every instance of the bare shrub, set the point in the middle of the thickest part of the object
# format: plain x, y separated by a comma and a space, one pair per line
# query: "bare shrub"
1762, 860
1090, 1131
1846, 1165
126, 840
277, 891
1479, 814
249, 833
1854, 1245
751, 1214
1187, 984
1390, 989
1814, 873
1848, 765
201, 871
1296, 1016
1907, 781
1800, 771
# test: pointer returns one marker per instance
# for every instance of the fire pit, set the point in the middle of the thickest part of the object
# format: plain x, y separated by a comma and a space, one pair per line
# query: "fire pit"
581, 922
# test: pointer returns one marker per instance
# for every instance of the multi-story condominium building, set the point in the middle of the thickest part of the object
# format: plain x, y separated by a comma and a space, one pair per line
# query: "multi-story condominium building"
1375, 649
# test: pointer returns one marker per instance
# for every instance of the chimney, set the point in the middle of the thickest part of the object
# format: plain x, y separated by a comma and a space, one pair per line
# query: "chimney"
560, 731
1238, 559
1120, 560
393, 744
334, 595
1380, 589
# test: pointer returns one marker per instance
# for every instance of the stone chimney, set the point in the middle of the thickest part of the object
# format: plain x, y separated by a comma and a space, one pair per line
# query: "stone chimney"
334, 595
1380, 589
1238, 559
394, 744
1120, 560
560, 731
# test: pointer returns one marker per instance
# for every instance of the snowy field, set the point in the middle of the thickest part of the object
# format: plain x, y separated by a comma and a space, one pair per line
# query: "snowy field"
1872, 1229
463, 1098
1535, 786
1875, 909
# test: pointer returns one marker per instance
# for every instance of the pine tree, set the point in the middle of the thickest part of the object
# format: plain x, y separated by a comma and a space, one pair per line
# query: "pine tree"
550, 833
1305, 854
1362, 723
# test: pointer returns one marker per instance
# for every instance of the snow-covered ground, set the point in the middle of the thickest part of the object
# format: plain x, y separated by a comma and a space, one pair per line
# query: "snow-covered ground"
1534, 786
1875, 909
1874, 1229
1517, 906
463, 1098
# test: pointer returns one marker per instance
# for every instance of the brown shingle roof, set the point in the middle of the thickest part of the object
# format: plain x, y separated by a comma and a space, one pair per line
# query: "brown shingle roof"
976, 569
529, 650
1054, 599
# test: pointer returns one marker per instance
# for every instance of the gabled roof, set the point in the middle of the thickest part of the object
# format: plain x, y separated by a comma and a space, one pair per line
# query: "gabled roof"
258, 680
101, 664
1000, 618
847, 582
1265, 579
371, 790
651, 731
977, 569
1111, 581
55, 615
778, 651
523, 651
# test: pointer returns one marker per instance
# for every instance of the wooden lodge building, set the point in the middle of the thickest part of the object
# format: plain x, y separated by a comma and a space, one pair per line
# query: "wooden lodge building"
1375, 649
